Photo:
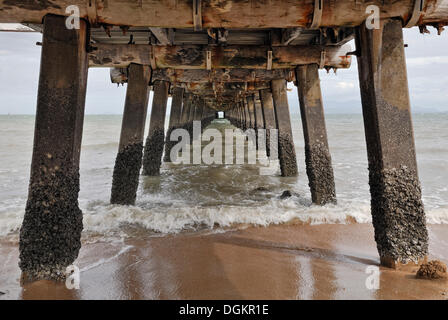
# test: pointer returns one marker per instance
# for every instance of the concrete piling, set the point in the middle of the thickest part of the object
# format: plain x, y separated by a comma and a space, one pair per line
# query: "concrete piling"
207, 117
192, 108
251, 109
198, 110
259, 122
317, 154
129, 159
286, 151
51, 230
267, 107
186, 106
247, 115
240, 116
175, 119
152, 158
397, 209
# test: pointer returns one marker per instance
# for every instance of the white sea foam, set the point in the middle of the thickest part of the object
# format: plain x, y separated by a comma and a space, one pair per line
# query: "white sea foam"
101, 217
213, 197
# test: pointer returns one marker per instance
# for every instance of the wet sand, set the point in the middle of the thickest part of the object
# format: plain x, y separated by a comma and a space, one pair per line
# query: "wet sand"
293, 261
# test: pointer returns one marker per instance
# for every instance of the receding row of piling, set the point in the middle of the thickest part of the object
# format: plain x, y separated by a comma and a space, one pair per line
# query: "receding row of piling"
51, 231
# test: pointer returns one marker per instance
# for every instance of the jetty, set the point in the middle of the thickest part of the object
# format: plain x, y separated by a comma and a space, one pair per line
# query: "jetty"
234, 56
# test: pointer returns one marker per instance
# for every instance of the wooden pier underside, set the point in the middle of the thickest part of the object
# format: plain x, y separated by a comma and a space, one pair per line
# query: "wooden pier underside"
202, 45
227, 55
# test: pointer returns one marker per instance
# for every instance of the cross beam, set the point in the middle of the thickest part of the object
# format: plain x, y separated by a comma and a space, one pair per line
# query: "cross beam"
120, 75
229, 57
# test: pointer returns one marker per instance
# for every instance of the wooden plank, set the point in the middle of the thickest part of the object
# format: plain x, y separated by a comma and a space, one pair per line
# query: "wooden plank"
220, 14
222, 75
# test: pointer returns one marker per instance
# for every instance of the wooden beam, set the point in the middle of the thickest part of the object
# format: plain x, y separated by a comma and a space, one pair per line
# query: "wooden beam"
241, 57
162, 35
119, 75
220, 14
198, 87
290, 34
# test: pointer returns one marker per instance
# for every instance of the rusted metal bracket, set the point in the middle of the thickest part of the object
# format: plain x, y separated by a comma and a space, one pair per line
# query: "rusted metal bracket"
419, 7
269, 62
317, 16
197, 15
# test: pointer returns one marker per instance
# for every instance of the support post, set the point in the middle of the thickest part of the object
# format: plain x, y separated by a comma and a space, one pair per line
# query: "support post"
259, 122
192, 108
240, 118
247, 115
286, 151
251, 108
397, 209
152, 158
185, 109
267, 104
198, 109
317, 154
175, 120
207, 117
129, 159
51, 230
199, 106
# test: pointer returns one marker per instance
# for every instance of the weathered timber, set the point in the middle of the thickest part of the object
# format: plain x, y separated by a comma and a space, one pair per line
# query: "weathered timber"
317, 154
220, 14
241, 57
175, 115
162, 35
129, 159
220, 75
286, 151
396, 203
152, 158
50, 237
231, 88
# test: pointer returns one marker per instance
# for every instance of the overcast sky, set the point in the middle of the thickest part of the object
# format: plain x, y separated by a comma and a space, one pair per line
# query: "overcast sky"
427, 57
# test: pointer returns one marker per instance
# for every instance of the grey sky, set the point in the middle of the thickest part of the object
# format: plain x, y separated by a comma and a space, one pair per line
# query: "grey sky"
427, 57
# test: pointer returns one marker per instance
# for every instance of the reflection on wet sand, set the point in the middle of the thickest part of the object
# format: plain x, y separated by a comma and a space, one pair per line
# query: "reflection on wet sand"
278, 262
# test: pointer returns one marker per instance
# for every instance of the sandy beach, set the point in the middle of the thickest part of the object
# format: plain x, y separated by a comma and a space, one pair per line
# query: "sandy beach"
293, 261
